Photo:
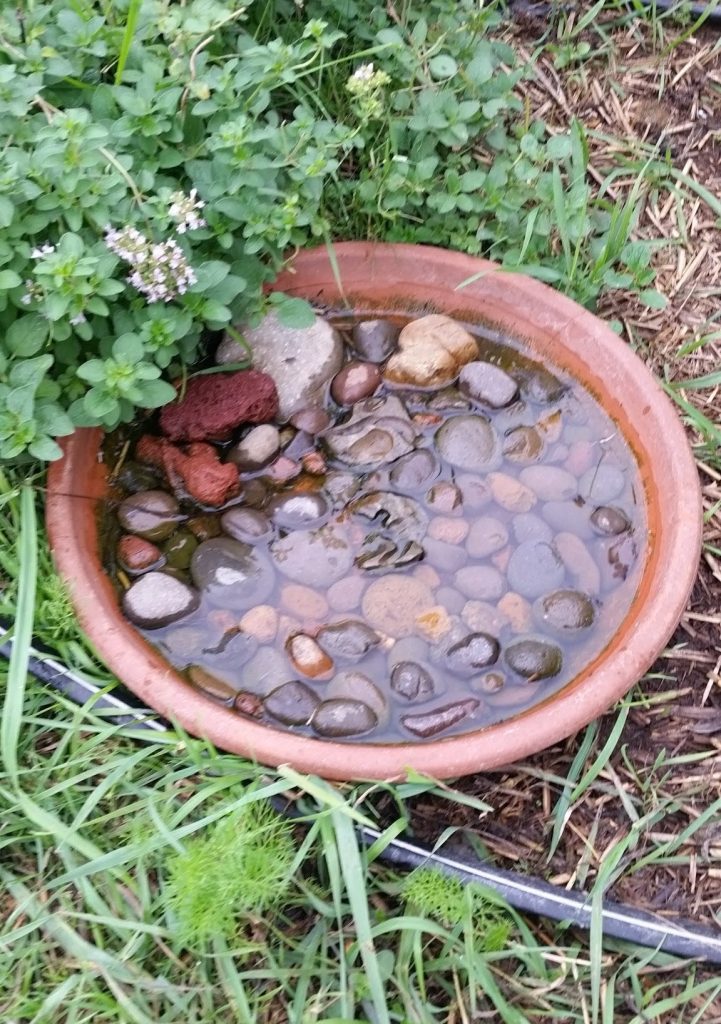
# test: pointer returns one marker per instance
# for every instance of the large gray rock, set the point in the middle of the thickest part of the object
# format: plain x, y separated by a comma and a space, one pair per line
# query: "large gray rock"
301, 361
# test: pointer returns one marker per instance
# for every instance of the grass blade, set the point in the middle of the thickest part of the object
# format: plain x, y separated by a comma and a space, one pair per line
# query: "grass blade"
127, 40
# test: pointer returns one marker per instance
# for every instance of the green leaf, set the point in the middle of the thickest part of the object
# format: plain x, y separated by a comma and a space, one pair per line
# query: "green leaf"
99, 404
6, 211
27, 335
155, 393
215, 312
653, 299
92, 371
559, 147
293, 312
128, 348
442, 66
9, 279
45, 449
210, 274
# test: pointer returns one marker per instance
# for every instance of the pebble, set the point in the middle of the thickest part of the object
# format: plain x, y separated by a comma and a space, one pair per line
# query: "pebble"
137, 555
433, 624
314, 463
529, 526
616, 556
567, 516
491, 682
501, 558
486, 536
310, 421
292, 703
451, 600
303, 602
210, 685
450, 531
414, 471
204, 527
469, 442
511, 494
442, 331
551, 426
357, 686
475, 491
549, 483
256, 449
265, 670
178, 549
483, 617
246, 525
340, 487
523, 444
473, 652
445, 497
260, 622
487, 384
343, 717
410, 648
602, 483
355, 381
157, 599
428, 575
444, 557
534, 658
440, 719
299, 380
232, 574
565, 611
308, 657
411, 681
427, 365
316, 558
610, 521
580, 457
481, 582
346, 594
580, 563
517, 611
392, 604
349, 640
283, 470
541, 387
298, 510
535, 568
248, 704
149, 514
375, 340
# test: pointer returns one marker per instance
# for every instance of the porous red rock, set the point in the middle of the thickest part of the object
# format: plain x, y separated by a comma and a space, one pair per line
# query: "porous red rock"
196, 468
215, 404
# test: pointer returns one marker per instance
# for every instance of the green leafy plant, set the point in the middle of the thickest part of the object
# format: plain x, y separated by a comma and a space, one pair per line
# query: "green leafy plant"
241, 866
447, 900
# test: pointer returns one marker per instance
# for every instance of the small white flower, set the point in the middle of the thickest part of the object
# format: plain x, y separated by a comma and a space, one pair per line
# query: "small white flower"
43, 251
79, 318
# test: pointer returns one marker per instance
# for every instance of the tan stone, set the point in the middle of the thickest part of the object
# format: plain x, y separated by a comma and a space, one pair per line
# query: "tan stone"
303, 602
308, 657
452, 531
426, 365
517, 611
510, 493
579, 562
433, 624
260, 622
444, 331
392, 604
428, 575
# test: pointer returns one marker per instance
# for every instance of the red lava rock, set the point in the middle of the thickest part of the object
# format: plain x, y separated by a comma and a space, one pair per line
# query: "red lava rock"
214, 405
136, 554
197, 469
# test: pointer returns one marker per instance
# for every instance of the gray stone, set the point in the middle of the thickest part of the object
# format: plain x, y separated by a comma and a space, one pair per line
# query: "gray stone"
487, 384
481, 582
343, 717
565, 611
349, 640
301, 361
232, 574
610, 521
357, 686
298, 510
414, 471
292, 703
440, 719
375, 340
246, 525
469, 442
535, 568
340, 487
257, 448
149, 514
550, 483
444, 557
477, 650
265, 671
412, 681
451, 600
534, 658
602, 483
314, 557
158, 599
567, 516
370, 442
486, 536
528, 526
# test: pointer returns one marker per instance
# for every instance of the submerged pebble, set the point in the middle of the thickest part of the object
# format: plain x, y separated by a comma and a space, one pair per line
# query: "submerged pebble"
157, 599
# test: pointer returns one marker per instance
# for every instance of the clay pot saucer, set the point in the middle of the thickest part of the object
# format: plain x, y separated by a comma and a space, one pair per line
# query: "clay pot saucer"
376, 277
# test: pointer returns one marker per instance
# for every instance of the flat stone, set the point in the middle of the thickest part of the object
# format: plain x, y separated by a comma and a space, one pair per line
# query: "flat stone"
414, 471
306, 604
401, 517
301, 361
534, 658
450, 531
310, 421
411, 681
266, 670
298, 510
211, 685
392, 604
451, 600
475, 491
137, 555
375, 340
481, 582
579, 562
529, 526
602, 483
152, 515
349, 640
355, 685
372, 442
565, 611
477, 650
440, 719
292, 703
550, 483
343, 717
535, 568
487, 384
315, 558
510, 493
540, 386
444, 557
442, 331
157, 599
232, 574
568, 517
469, 442
427, 365
260, 622
246, 525
346, 594
487, 535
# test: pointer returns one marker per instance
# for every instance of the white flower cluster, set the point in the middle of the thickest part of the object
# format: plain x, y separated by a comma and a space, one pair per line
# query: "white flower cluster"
184, 211
160, 269
366, 86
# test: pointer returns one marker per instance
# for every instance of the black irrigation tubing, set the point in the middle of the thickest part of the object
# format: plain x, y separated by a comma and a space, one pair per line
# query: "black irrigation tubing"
533, 895
710, 12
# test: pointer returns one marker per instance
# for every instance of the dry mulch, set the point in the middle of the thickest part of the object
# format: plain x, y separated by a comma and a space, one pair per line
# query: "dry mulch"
668, 756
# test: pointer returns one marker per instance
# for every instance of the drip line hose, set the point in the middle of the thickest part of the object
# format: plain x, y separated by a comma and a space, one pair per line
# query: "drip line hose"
533, 895
710, 12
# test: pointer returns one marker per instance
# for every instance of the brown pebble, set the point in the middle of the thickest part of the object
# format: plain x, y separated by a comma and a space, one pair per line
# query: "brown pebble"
517, 610
137, 555
311, 421
204, 527
210, 684
260, 622
248, 704
432, 722
314, 463
308, 657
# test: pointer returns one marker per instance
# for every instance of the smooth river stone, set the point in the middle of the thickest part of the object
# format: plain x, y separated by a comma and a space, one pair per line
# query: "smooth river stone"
565, 611
550, 483
434, 624
411, 681
211, 685
610, 521
149, 514
468, 442
292, 703
354, 685
602, 483
580, 563
371, 442
158, 599
341, 487
529, 526
567, 516
349, 640
481, 582
265, 670
517, 611
450, 531
246, 525
445, 497
343, 717
487, 384
443, 556
260, 622
232, 574
487, 535
477, 650
540, 386
315, 558
178, 549
414, 471
483, 617
298, 510
375, 340
355, 381
510, 493
301, 360
535, 568
308, 657
534, 658
345, 595
443, 331
427, 365
303, 602
451, 600
136, 555
439, 719
523, 444
256, 449
393, 603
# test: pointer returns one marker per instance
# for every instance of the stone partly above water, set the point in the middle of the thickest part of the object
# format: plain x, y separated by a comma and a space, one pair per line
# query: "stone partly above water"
232, 574
292, 703
431, 352
314, 557
301, 361
469, 442
565, 611
433, 722
152, 515
349, 640
343, 717
534, 658
487, 384
157, 599
375, 340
